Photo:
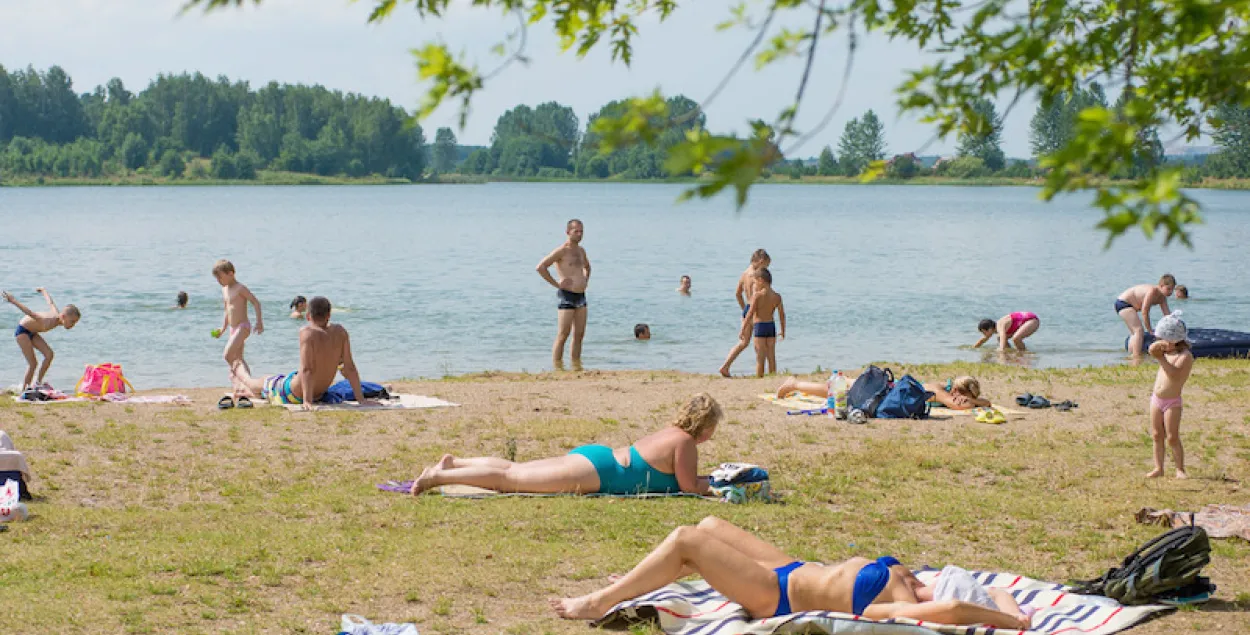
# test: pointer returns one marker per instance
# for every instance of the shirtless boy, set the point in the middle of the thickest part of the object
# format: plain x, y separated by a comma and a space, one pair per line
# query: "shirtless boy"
574, 269
324, 351
1140, 298
31, 326
234, 321
746, 289
763, 305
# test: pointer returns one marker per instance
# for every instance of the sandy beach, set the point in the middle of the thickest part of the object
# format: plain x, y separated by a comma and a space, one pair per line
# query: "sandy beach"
155, 518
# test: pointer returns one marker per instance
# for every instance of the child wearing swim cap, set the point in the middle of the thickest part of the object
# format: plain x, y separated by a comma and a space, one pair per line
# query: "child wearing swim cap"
1176, 360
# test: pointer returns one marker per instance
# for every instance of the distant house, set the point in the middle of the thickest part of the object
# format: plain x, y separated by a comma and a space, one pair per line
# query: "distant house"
941, 160
911, 155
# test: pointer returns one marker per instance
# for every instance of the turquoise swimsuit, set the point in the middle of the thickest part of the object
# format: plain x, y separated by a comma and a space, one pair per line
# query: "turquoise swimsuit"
638, 478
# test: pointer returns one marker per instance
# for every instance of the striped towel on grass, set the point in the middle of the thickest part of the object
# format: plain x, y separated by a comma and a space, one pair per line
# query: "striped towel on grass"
693, 608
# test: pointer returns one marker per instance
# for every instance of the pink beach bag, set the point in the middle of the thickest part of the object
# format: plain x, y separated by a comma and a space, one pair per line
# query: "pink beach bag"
101, 380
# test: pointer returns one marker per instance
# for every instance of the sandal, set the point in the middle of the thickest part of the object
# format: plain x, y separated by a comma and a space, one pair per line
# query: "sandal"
1066, 405
1025, 399
244, 402
225, 403
1038, 402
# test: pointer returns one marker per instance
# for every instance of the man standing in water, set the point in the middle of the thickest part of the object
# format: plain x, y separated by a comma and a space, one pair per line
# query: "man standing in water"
574, 269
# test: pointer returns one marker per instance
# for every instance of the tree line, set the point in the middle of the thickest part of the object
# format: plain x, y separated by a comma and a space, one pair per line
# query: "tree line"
46, 129
189, 126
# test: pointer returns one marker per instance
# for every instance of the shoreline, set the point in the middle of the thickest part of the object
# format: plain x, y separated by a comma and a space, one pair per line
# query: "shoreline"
272, 178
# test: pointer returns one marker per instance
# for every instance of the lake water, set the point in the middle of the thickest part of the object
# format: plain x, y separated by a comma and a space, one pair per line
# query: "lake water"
431, 280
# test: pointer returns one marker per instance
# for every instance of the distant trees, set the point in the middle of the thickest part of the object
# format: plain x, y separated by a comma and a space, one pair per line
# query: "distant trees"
443, 155
982, 136
826, 165
45, 127
862, 142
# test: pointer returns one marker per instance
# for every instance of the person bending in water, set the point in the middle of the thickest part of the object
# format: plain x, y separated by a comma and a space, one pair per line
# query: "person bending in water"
1140, 298
744, 293
960, 393
683, 287
324, 350
763, 305
1011, 328
769, 583
299, 306
664, 461
574, 269
29, 334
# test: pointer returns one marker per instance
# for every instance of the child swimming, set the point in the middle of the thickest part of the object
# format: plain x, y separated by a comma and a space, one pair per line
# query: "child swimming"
1013, 327
1182, 292
181, 301
764, 303
298, 307
29, 334
642, 332
235, 296
1176, 360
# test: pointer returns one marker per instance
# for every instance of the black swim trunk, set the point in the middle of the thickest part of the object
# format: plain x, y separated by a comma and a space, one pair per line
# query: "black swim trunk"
765, 329
570, 300
1120, 305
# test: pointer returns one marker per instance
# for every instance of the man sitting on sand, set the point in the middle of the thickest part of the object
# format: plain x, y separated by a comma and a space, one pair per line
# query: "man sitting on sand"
324, 350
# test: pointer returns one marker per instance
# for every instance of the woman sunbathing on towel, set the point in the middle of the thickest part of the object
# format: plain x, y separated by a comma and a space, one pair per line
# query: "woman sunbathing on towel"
960, 393
768, 583
665, 461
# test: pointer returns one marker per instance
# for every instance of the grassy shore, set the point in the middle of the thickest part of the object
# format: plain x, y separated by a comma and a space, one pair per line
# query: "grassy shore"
156, 519
263, 177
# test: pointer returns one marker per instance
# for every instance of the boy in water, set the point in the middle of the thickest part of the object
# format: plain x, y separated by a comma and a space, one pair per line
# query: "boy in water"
235, 296
683, 286
29, 338
1176, 360
1141, 298
744, 292
1182, 292
764, 303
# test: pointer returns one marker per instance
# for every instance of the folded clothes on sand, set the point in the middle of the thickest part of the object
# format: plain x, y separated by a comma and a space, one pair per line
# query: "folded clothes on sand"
1219, 521
689, 608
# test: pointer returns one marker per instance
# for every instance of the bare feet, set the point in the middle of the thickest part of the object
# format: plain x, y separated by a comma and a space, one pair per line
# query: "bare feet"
724, 371
788, 386
422, 483
1155, 473
1181, 474
446, 463
579, 608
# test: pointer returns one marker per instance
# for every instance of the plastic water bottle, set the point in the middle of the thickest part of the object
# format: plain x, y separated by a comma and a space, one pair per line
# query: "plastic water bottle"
840, 391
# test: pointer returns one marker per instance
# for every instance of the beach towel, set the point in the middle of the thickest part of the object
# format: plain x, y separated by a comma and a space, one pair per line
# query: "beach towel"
396, 402
116, 397
800, 401
357, 625
690, 608
468, 491
939, 410
1219, 521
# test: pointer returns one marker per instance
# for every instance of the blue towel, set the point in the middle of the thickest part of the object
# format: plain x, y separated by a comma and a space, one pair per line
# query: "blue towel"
342, 391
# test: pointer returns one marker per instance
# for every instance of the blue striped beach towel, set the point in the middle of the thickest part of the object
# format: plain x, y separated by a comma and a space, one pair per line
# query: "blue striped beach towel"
693, 608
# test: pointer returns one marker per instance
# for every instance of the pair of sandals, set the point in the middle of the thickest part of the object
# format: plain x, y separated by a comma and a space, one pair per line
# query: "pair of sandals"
1037, 402
227, 402
989, 415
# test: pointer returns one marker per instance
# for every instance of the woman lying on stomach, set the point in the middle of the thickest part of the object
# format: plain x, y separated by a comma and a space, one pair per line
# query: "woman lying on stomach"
665, 461
960, 393
769, 583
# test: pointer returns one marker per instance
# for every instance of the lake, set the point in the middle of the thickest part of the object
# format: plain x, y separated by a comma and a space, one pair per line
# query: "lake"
434, 280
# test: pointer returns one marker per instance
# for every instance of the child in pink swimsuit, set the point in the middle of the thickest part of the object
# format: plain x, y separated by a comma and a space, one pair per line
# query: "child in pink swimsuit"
1171, 348
1010, 328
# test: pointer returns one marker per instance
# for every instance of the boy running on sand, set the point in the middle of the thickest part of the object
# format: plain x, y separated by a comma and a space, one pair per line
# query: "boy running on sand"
1166, 405
764, 303
1141, 298
28, 333
236, 296
744, 292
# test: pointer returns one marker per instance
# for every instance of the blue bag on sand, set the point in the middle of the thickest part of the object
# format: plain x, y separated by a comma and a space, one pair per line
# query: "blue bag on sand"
906, 400
342, 391
869, 389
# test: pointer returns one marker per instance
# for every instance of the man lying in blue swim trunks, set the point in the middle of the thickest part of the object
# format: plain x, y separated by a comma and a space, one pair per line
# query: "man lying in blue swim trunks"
768, 583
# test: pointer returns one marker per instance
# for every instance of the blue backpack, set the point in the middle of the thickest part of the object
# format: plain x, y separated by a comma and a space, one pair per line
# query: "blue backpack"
869, 389
906, 400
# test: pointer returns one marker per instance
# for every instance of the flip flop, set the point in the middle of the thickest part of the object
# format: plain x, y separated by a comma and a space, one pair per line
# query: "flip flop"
1025, 399
1039, 402
1066, 405
244, 402
225, 403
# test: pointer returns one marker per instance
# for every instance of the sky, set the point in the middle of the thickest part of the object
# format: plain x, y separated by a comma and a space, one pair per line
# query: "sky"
329, 42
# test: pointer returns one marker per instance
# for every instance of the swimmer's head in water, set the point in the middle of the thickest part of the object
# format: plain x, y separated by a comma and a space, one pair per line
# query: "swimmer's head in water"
699, 416
966, 385
319, 310
300, 303
1182, 292
575, 230
642, 332
1167, 283
760, 258
987, 326
182, 299
764, 274
685, 283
